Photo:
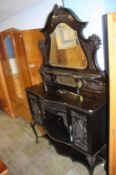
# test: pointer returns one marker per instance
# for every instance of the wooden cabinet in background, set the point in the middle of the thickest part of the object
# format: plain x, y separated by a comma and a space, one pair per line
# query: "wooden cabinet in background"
14, 74
20, 62
31, 39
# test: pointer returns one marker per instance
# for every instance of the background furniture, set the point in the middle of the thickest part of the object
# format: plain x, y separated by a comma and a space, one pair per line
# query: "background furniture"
71, 101
20, 61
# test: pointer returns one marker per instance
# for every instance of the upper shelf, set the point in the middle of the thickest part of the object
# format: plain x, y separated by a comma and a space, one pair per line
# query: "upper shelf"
75, 75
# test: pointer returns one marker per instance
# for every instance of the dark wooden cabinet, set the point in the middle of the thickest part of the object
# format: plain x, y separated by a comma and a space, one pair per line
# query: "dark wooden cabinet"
71, 103
73, 124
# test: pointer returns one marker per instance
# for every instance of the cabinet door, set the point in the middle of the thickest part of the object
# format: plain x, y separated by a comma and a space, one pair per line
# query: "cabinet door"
15, 71
19, 50
7, 70
11, 69
5, 103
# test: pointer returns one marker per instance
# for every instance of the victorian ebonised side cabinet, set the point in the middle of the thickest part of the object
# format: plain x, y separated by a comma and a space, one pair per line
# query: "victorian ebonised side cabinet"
71, 102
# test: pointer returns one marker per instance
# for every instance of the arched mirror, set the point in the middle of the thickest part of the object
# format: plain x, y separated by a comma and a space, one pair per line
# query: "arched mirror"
65, 46
65, 50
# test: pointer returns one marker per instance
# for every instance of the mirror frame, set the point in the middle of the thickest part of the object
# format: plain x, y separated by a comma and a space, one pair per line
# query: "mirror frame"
89, 46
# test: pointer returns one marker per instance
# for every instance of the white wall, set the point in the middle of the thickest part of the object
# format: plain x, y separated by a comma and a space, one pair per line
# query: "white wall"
32, 17
92, 11
109, 6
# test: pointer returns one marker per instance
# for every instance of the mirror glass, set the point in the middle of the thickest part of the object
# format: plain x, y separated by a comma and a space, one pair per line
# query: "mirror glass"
65, 50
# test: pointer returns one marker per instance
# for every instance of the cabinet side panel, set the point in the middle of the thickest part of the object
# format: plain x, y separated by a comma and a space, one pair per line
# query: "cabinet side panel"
32, 38
111, 25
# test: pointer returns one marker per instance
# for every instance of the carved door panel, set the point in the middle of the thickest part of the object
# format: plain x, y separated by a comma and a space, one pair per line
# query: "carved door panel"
79, 130
35, 108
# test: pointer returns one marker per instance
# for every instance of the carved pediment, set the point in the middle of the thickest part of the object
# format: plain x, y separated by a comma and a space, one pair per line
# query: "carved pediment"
88, 47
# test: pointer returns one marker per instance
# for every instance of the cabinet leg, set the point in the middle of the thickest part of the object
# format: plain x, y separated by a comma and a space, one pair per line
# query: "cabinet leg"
91, 161
106, 166
32, 124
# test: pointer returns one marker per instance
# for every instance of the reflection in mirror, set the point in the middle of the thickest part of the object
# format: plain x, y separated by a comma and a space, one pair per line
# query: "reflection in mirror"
65, 48
66, 80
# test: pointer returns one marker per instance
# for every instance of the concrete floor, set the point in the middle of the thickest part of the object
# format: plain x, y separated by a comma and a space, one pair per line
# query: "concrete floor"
24, 157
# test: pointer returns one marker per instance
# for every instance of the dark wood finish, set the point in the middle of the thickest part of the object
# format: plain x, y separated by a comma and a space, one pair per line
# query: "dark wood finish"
71, 103
89, 46
92, 78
